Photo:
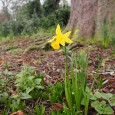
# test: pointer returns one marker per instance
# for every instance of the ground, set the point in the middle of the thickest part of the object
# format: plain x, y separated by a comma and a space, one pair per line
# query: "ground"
51, 62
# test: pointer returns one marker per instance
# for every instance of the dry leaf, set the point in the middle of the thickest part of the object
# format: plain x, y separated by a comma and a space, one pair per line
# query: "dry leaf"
56, 106
19, 112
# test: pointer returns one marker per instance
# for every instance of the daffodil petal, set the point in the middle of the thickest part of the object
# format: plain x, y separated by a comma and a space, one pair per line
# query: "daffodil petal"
62, 42
68, 40
58, 30
55, 45
66, 35
53, 38
58, 39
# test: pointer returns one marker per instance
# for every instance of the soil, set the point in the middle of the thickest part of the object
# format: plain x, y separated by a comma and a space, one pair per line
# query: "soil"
52, 62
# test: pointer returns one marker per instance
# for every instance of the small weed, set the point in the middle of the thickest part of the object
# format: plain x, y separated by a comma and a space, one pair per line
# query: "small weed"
27, 82
103, 107
15, 105
97, 77
16, 90
17, 51
113, 52
56, 93
6, 65
9, 48
39, 110
6, 39
55, 112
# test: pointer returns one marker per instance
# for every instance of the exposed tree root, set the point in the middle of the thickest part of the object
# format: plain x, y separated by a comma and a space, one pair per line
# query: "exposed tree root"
39, 44
44, 45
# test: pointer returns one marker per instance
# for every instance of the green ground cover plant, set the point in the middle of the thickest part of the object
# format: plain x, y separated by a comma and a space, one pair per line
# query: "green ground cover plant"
74, 92
27, 85
40, 110
103, 107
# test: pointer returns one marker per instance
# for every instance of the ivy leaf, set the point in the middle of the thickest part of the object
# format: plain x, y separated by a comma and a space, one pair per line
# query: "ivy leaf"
29, 89
108, 110
38, 81
31, 77
112, 101
25, 96
103, 95
98, 95
101, 107
106, 95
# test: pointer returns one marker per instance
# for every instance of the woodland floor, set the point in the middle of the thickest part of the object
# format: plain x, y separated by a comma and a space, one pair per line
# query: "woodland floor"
52, 62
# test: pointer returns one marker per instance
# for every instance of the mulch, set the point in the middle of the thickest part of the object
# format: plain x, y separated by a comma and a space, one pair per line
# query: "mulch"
51, 63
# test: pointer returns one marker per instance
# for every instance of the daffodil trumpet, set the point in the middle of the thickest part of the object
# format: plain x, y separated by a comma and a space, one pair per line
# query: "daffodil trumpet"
60, 38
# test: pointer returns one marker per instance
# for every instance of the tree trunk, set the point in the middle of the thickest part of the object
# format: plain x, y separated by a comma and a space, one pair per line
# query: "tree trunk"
89, 15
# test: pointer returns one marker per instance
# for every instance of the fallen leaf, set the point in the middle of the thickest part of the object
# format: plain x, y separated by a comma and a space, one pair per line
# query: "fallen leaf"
56, 106
19, 112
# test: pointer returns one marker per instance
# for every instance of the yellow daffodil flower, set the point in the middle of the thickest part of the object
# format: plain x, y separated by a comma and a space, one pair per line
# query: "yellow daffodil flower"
60, 38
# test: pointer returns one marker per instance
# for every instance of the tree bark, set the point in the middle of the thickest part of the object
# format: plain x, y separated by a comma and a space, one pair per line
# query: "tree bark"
89, 15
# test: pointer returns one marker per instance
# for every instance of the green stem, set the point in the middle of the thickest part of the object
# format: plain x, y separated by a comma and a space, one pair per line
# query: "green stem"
67, 82
66, 61
87, 98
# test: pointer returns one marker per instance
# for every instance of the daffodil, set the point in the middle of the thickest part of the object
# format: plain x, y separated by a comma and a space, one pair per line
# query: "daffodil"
60, 38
